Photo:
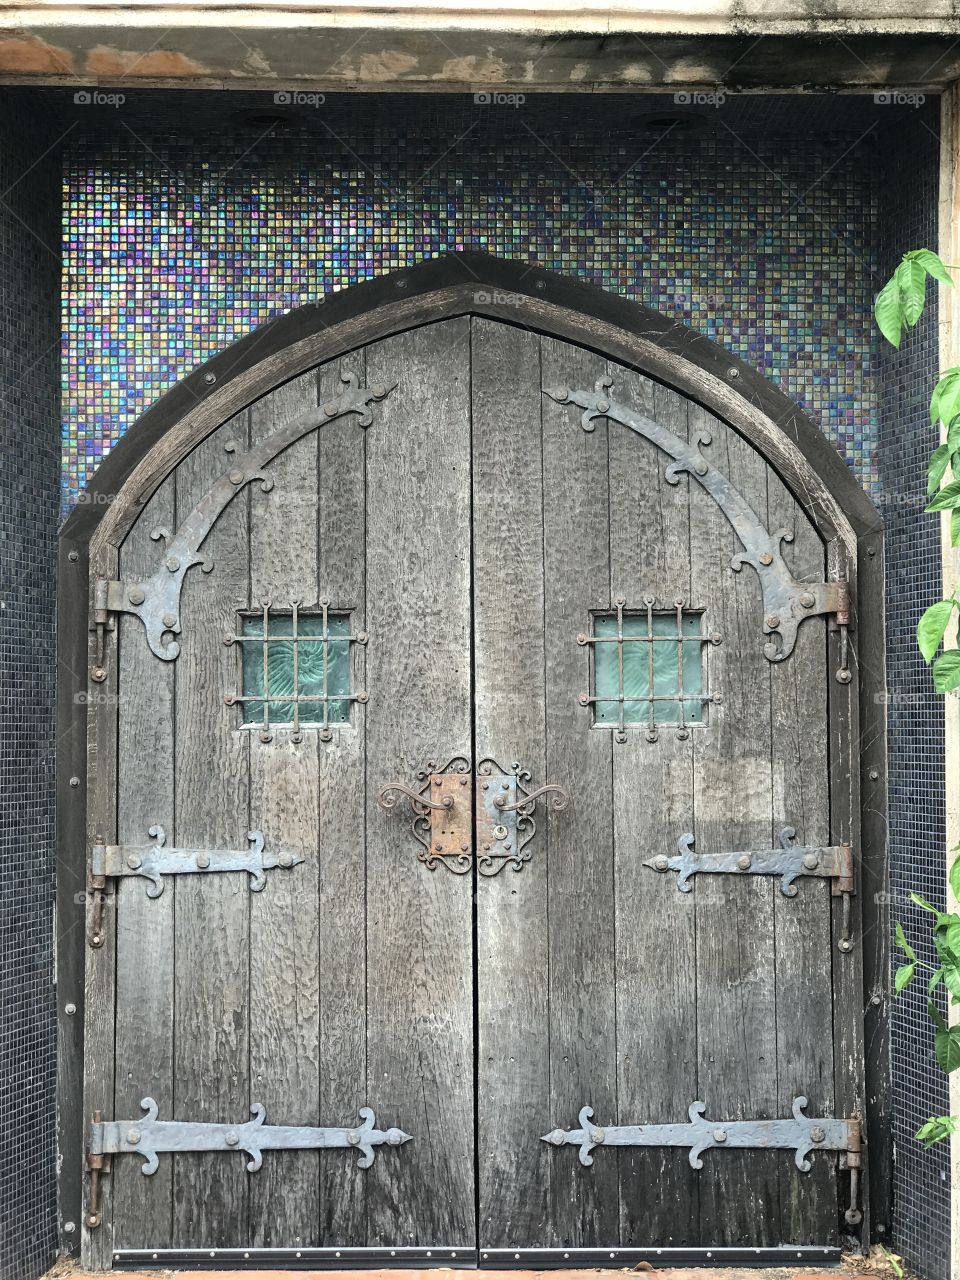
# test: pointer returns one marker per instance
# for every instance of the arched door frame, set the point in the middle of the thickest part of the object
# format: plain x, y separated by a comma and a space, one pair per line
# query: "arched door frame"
514, 293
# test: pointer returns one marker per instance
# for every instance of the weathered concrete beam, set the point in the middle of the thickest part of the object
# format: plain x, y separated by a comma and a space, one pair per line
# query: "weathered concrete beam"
559, 46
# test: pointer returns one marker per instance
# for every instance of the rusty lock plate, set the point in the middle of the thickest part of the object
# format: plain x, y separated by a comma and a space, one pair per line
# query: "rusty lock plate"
451, 826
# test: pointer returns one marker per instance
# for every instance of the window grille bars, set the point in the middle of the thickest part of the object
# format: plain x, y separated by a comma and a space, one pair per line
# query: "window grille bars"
681, 699
296, 698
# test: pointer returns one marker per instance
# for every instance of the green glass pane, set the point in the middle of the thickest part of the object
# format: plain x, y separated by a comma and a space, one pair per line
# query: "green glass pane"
310, 668
637, 669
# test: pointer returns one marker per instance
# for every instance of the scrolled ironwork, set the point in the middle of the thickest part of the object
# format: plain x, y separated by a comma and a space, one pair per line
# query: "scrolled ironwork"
787, 602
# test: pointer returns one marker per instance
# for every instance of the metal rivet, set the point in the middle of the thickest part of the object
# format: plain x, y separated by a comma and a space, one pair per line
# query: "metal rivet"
845, 945
719, 1135
871, 551
379, 391
765, 557
808, 599
485, 786
873, 774
74, 781
603, 406
744, 862
133, 1137
330, 408
236, 477
169, 620
463, 782
844, 676
464, 848
817, 1134
69, 1228
353, 1137
203, 861
597, 1135
811, 860
209, 377
173, 564
232, 1139
733, 373
438, 847
661, 862
773, 620
285, 860
875, 1000
134, 862
70, 1009
136, 595
73, 557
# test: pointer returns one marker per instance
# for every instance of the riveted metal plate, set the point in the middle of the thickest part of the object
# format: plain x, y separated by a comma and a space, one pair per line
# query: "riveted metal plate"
451, 828
790, 861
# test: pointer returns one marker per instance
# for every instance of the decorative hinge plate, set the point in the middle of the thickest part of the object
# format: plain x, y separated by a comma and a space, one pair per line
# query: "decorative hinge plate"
790, 861
153, 861
150, 1138
156, 600
787, 602
800, 1134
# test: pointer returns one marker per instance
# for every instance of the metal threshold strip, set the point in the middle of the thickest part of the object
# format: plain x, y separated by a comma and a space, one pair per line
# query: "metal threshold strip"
459, 1258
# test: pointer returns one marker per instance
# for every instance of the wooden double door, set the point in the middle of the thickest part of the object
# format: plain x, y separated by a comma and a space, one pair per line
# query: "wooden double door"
477, 587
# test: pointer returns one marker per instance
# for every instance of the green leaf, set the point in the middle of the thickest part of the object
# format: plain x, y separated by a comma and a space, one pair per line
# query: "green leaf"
901, 940
936, 1015
947, 498
922, 902
955, 527
888, 312
931, 263
936, 1129
931, 627
954, 878
904, 976
935, 980
937, 468
951, 979
911, 280
945, 401
946, 1046
946, 671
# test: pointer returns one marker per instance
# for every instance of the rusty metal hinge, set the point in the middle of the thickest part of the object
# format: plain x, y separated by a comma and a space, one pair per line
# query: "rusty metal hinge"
97, 1164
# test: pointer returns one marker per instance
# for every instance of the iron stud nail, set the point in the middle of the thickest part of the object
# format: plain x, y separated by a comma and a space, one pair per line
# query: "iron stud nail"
744, 862
133, 1137
817, 1134
507, 845
719, 1135
808, 599
73, 556
70, 1009
733, 373
74, 781
597, 1135
811, 860
136, 595
236, 477
353, 1137
661, 862
169, 620
438, 847
701, 468
464, 848
232, 1139
773, 620
330, 408
845, 945
203, 861
209, 378
379, 391
505, 786
766, 557
873, 775
463, 782
487, 847
285, 860
173, 564
557, 1137
485, 786
134, 862
603, 406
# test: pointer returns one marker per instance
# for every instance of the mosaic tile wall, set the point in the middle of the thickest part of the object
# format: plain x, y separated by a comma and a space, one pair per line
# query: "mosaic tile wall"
29, 491
174, 249
916, 777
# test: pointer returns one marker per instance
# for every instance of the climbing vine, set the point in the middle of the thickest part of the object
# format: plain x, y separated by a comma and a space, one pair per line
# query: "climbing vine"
898, 307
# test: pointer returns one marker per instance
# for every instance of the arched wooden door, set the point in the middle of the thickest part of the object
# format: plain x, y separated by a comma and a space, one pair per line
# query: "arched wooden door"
487, 770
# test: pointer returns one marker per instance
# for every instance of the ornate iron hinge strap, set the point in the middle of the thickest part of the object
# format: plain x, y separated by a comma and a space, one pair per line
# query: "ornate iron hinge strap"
801, 1134
153, 861
786, 602
156, 600
150, 1138
789, 861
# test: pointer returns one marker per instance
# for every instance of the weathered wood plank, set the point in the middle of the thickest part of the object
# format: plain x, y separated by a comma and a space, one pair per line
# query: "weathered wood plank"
100, 980
802, 924
145, 930
211, 1021
653, 805
419, 923
341, 854
736, 989
513, 1065
579, 865
284, 953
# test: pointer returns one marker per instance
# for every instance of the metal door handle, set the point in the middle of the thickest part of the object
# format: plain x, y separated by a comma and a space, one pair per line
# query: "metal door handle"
525, 805
389, 798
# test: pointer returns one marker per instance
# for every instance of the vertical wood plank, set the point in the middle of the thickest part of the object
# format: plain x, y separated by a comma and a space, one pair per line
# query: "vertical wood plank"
341, 855
513, 1068
419, 923
579, 865
802, 924
284, 953
653, 806
736, 987
100, 978
145, 941
211, 1021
